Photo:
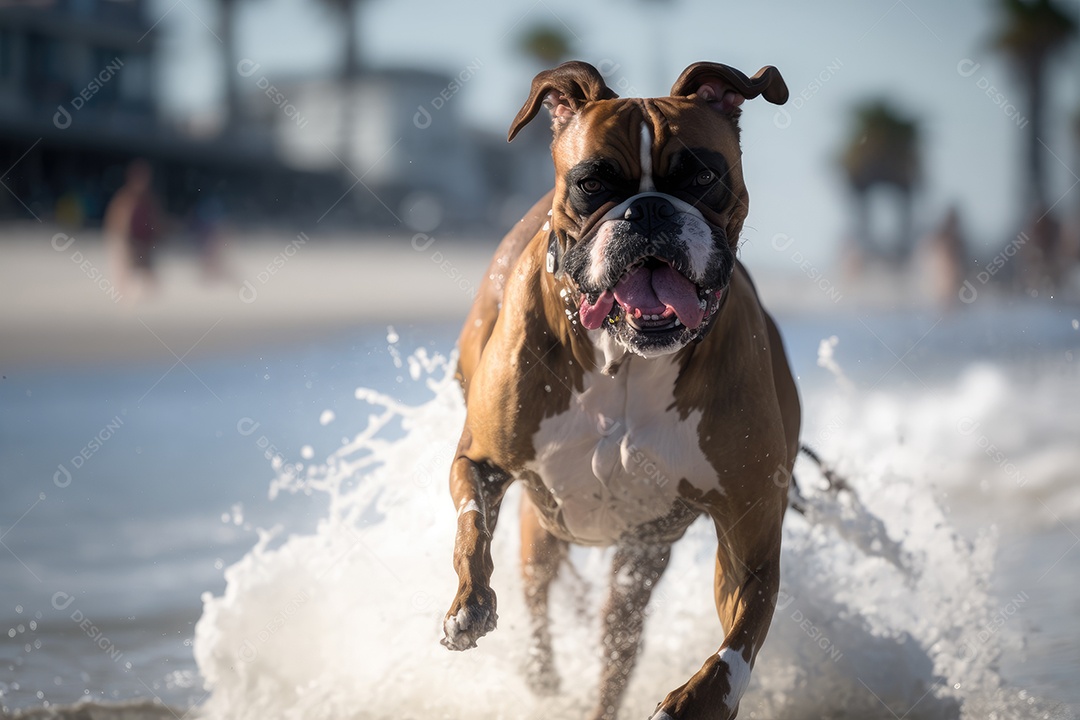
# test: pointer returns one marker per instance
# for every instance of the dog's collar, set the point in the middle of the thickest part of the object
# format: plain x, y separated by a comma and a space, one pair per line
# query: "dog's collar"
554, 255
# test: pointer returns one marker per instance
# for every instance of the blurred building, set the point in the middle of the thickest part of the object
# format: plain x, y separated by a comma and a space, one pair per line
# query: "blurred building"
72, 75
78, 103
398, 136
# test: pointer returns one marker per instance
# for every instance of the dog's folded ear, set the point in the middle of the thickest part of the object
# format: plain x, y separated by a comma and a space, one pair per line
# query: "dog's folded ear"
725, 88
563, 91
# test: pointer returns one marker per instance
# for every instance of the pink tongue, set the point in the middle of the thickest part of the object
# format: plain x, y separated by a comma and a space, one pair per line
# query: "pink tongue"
653, 292
678, 293
592, 316
636, 291
648, 292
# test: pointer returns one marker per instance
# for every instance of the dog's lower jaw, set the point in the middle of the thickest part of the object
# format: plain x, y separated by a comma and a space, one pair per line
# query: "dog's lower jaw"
612, 351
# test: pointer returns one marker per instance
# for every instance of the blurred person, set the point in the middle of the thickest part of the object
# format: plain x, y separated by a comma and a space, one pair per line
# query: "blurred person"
944, 260
132, 227
206, 223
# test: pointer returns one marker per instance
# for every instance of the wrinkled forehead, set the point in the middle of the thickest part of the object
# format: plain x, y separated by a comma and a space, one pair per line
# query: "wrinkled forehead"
667, 129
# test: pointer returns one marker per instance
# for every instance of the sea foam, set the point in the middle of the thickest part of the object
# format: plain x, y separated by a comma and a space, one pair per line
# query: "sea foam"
885, 609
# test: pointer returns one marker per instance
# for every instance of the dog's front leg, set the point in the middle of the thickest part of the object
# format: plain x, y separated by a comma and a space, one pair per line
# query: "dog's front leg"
477, 489
746, 588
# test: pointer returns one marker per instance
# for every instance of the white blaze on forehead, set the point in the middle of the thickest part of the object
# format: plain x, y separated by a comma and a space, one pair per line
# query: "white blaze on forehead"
738, 675
647, 184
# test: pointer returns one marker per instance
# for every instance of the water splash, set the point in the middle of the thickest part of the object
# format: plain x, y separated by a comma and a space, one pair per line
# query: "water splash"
344, 622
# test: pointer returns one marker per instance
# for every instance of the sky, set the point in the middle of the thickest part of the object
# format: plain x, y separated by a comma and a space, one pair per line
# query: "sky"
932, 59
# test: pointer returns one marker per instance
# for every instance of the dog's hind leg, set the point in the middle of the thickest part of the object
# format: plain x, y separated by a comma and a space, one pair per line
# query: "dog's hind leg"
635, 571
541, 555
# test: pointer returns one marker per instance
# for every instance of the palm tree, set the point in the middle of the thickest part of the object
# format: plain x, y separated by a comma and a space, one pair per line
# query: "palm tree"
347, 13
1031, 31
883, 151
546, 44
227, 24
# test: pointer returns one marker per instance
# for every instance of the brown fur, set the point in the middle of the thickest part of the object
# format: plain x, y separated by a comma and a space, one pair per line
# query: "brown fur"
522, 365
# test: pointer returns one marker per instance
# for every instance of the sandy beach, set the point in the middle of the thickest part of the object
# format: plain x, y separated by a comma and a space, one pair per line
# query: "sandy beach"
62, 304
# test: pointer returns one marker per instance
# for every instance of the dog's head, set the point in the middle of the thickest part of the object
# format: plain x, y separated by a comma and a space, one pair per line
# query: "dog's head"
649, 198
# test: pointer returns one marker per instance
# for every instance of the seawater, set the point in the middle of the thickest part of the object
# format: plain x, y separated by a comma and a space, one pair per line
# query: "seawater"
886, 608
940, 589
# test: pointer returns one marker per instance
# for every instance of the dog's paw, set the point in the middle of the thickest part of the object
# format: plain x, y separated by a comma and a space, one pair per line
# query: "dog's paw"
469, 620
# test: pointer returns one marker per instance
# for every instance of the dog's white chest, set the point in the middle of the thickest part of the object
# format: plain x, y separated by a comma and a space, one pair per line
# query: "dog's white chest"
614, 459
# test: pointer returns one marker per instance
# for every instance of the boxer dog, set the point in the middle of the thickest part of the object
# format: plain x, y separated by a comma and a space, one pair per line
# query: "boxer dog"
617, 362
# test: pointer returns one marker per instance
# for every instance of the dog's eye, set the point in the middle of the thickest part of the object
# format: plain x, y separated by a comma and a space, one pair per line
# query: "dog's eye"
591, 185
705, 177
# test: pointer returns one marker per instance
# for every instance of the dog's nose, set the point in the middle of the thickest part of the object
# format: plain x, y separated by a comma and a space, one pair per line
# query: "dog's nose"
650, 213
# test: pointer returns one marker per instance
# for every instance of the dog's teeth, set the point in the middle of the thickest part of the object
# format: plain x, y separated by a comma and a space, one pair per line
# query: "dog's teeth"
677, 323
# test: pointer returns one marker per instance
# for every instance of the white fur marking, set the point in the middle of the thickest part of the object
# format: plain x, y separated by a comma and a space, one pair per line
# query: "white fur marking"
738, 675
609, 348
468, 507
614, 459
647, 184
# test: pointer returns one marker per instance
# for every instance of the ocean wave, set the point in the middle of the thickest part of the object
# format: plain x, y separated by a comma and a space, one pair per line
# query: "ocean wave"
344, 622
